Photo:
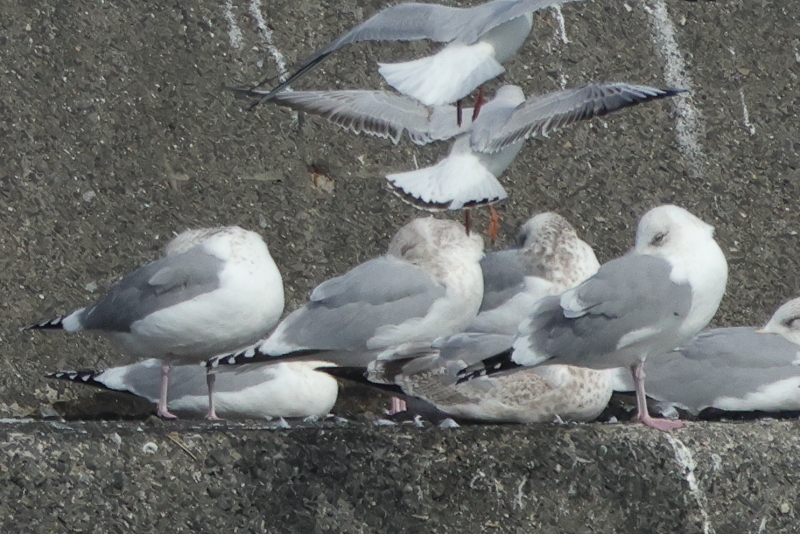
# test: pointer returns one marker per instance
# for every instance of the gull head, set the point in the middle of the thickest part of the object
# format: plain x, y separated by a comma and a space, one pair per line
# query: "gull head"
786, 321
553, 250
668, 230
425, 239
190, 238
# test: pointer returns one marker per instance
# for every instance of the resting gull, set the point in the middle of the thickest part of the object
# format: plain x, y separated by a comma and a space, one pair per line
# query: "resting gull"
479, 40
542, 394
285, 389
733, 369
645, 303
549, 259
215, 290
483, 149
428, 285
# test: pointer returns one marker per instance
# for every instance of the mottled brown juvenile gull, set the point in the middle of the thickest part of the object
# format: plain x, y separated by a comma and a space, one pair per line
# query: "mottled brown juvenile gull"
543, 394
285, 389
483, 149
428, 285
549, 259
734, 369
479, 39
215, 290
642, 304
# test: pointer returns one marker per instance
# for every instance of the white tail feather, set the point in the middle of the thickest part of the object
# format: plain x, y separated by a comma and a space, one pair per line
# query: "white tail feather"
443, 78
458, 179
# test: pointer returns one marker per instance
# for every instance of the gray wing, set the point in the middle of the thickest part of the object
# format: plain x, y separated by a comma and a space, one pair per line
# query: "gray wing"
158, 285
377, 113
545, 113
629, 294
504, 275
414, 21
723, 362
345, 312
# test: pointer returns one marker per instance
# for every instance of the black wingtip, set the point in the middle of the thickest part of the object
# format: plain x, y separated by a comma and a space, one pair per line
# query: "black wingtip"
253, 355
490, 366
359, 375
88, 377
52, 324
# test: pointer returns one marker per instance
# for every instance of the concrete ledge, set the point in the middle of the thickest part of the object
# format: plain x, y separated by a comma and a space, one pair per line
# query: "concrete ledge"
340, 476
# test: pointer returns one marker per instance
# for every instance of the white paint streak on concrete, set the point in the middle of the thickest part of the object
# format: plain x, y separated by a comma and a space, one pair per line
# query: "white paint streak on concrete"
234, 33
266, 36
746, 115
685, 460
562, 28
689, 126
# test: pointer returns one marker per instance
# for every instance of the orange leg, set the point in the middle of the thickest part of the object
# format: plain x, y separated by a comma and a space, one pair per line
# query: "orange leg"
494, 223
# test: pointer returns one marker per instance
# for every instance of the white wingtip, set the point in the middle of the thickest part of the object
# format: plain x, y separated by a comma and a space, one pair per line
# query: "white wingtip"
457, 180
443, 78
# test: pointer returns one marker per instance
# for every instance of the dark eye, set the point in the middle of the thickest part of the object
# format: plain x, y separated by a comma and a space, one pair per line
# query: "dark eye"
658, 240
789, 323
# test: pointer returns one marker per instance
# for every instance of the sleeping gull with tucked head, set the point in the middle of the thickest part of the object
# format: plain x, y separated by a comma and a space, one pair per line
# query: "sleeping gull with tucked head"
428, 285
643, 304
483, 149
735, 369
215, 290
479, 40
543, 394
284, 389
549, 259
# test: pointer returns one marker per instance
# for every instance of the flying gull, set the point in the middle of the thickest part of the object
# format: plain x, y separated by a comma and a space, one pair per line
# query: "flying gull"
215, 290
483, 149
734, 369
549, 259
284, 389
479, 40
643, 304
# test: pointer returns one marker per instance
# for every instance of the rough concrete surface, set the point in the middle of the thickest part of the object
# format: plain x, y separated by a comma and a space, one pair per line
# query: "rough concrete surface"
115, 133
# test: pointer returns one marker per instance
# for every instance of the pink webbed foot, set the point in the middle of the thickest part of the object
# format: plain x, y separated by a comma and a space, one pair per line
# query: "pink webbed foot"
664, 425
398, 405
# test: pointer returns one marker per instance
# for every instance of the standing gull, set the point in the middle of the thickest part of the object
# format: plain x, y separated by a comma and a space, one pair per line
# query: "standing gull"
644, 303
215, 290
285, 389
549, 259
484, 148
735, 369
479, 40
428, 285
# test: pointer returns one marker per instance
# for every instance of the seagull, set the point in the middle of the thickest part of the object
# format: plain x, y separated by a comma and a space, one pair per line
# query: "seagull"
428, 285
215, 290
479, 40
549, 259
733, 369
287, 389
482, 149
644, 303
542, 394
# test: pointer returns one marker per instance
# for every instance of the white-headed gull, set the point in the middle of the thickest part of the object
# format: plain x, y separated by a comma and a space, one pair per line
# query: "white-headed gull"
643, 304
479, 40
284, 389
483, 149
214, 291
429, 284
542, 394
735, 369
549, 259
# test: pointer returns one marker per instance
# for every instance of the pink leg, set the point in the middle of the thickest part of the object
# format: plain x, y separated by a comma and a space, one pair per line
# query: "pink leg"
162, 400
478, 104
642, 414
212, 412
398, 405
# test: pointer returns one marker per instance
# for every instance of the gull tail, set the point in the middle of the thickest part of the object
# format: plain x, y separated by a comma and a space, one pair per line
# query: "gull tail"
492, 365
458, 180
443, 78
